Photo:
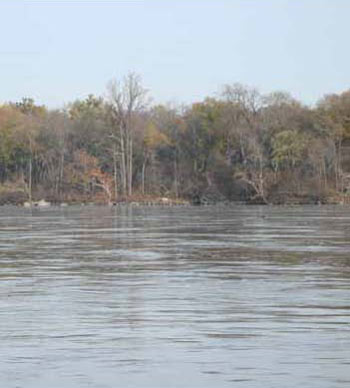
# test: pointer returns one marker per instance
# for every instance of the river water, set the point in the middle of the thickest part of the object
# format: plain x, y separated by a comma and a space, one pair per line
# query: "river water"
175, 297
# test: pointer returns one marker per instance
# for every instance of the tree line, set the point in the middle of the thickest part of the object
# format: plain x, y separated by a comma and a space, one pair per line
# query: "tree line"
241, 145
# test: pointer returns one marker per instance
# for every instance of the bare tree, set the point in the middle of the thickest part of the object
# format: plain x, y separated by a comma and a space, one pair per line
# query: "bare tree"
128, 98
243, 105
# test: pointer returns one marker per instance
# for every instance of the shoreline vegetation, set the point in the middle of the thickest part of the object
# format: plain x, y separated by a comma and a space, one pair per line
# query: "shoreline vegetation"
241, 146
170, 202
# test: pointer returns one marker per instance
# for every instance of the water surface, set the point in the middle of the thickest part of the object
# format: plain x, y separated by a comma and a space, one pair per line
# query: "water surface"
175, 297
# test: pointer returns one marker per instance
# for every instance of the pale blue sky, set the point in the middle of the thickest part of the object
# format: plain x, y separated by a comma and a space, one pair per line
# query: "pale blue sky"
57, 51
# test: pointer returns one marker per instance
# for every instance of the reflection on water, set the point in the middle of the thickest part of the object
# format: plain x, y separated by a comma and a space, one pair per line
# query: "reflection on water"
183, 297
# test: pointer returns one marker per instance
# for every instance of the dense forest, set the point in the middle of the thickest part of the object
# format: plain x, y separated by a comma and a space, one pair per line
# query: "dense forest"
238, 146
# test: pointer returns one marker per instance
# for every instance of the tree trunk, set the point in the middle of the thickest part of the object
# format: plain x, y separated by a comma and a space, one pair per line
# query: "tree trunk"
130, 166
30, 180
143, 176
123, 164
115, 173
61, 170
175, 177
325, 175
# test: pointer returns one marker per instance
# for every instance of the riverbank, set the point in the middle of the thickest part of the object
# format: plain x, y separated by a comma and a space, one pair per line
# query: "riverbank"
19, 198
41, 198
